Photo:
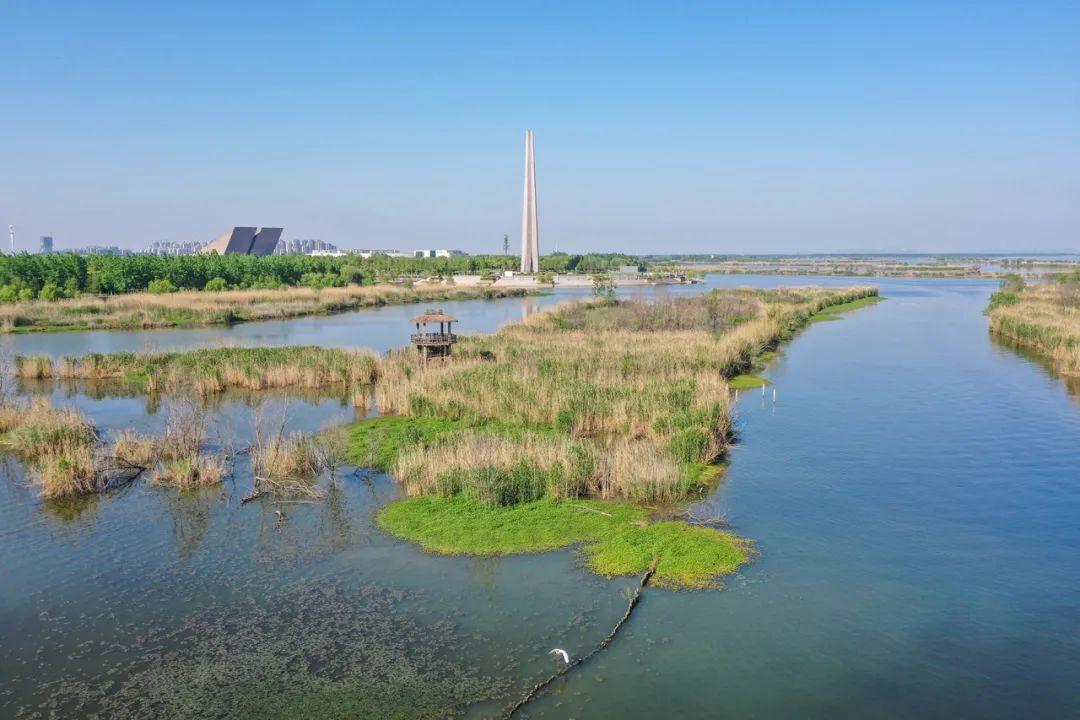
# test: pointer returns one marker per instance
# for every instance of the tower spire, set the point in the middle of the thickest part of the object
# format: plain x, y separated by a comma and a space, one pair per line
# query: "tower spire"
530, 233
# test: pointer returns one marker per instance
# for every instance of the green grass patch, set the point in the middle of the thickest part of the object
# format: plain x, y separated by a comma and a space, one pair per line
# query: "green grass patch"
617, 538
378, 442
832, 312
458, 526
747, 382
689, 556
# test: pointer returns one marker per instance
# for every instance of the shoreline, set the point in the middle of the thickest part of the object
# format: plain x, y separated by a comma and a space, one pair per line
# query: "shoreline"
200, 308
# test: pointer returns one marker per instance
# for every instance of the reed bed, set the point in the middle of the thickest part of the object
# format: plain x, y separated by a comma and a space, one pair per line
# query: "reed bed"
58, 445
179, 457
215, 370
1044, 317
638, 387
194, 308
288, 464
65, 456
291, 463
33, 367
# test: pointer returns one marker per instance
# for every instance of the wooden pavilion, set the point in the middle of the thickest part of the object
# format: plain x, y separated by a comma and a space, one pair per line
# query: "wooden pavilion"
434, 344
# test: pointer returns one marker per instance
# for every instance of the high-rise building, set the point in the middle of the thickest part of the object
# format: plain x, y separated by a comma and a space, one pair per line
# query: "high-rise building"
167, 247
46, 244
530, 233
305, 246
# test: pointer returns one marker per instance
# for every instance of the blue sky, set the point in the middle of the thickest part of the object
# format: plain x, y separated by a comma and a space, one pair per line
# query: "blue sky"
660, 127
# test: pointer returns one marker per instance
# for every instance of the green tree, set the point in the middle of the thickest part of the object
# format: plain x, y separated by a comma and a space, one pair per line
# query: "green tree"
161, 286
51, 291
604, 288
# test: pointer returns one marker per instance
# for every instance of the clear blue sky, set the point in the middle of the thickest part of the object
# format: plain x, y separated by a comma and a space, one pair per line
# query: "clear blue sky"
660, 127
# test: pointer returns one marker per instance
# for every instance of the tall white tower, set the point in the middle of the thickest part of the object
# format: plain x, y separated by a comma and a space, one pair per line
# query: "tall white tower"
530, 233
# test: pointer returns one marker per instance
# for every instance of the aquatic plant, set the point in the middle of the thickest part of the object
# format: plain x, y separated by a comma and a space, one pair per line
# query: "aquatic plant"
616, 537
189, 472
33, 367
134, 449
211, 371
291, 463
1044, 317
281, 458
58, 445
179, 457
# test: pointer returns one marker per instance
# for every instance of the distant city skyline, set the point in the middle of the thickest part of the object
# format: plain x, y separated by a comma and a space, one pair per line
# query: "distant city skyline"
713, 128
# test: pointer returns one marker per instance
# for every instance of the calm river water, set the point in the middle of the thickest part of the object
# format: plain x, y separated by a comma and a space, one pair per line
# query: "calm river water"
914, 494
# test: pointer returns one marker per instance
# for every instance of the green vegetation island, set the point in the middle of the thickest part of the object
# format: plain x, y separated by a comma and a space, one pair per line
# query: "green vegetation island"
593, 425
596, 425
1042, 316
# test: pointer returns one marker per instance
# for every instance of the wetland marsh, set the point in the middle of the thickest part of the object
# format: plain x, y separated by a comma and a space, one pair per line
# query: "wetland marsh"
912, 561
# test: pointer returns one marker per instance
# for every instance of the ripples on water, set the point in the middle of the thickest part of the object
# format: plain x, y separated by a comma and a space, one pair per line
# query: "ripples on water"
913, 494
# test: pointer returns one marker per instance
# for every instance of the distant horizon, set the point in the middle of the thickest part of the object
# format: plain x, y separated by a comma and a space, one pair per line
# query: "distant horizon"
919, 128
516, 252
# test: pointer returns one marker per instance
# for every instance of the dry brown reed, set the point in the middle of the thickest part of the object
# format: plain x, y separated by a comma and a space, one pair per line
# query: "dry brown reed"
135, 450
289, 463
33, 367
1046, 318
58, 445
653, 398
210, 371
180, 458
148, 310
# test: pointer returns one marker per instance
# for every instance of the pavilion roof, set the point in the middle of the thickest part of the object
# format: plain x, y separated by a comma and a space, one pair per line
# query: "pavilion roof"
434, 316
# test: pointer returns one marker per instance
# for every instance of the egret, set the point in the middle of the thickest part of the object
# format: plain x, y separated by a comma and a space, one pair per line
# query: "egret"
561, 653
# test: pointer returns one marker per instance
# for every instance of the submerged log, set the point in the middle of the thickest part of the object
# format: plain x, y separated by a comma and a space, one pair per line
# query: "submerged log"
538, 687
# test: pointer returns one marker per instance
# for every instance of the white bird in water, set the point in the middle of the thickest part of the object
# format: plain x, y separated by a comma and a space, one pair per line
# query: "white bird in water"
561, 653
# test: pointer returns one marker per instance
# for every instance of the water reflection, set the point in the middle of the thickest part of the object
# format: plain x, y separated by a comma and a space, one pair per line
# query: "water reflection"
1070, 382
190, 513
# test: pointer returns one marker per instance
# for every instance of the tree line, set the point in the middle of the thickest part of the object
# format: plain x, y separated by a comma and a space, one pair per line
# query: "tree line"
62, 275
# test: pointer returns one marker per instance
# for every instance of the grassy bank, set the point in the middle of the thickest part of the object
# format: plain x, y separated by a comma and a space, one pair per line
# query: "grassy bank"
213, 370
620, 401
139, 311
833, 312
1043, 317
616, 537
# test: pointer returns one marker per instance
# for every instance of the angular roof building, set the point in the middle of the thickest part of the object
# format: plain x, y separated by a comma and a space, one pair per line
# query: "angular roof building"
245, 241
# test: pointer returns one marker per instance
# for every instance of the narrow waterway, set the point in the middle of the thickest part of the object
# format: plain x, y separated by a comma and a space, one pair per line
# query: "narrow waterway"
914, 495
